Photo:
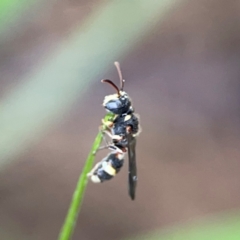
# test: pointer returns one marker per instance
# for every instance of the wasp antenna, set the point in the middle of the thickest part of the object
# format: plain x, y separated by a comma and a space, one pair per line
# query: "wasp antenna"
111, 83
117, 64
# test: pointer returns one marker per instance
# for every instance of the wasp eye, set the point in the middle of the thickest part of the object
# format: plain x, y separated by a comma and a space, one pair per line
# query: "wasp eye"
112, 105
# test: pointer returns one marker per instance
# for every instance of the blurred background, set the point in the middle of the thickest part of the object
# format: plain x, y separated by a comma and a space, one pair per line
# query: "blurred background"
180, 60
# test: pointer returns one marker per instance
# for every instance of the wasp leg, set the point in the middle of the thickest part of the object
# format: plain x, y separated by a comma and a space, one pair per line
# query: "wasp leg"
129, 129
105, 139
93, 170
107, 124
100, 148
107, 144
113, 137
110, 146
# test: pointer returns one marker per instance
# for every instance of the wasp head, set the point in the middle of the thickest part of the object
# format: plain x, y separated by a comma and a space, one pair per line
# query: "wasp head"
117, 103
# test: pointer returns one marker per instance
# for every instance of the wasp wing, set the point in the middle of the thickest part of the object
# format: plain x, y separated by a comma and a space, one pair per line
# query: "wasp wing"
132, 166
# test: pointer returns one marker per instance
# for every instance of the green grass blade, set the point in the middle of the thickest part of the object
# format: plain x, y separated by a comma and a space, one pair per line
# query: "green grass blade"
77, 199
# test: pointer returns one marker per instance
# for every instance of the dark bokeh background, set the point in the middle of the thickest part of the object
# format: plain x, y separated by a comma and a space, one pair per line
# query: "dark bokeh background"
184, 80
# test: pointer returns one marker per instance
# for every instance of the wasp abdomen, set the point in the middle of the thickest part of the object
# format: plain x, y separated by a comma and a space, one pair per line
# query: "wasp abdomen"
108, 168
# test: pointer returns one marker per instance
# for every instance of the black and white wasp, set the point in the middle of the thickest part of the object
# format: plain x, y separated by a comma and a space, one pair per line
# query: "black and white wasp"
122, 132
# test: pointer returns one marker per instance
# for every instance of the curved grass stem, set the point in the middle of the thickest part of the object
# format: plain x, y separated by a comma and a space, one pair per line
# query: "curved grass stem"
77, 199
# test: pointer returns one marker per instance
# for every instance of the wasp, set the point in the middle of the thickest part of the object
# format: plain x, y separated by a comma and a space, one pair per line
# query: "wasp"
122, 132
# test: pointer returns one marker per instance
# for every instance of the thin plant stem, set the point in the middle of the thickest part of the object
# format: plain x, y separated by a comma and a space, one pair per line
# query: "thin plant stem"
77, 199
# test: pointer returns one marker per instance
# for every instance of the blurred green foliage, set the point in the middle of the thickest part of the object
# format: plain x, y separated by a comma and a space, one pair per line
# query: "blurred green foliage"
219, 227
10, 10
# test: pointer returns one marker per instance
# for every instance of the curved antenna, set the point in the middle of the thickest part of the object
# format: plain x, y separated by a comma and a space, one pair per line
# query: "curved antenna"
117, 64
111, 83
